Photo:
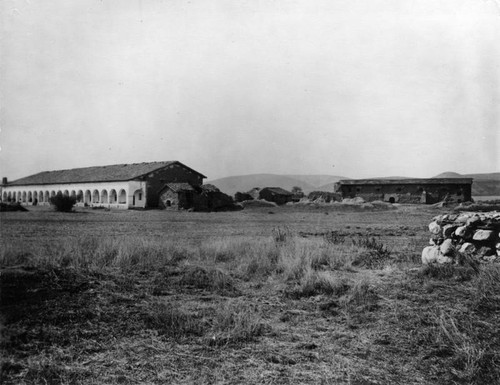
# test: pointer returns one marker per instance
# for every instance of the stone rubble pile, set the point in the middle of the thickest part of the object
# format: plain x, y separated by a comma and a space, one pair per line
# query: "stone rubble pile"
475, 234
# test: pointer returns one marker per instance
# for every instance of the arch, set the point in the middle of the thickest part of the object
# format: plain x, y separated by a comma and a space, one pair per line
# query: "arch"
138, 197
5, 196
79, 196
9, 196
23, 197
73, 193
112, 196
87, 197
168, 203
52, 193
66, 193
95, 196
392, 200
14, 196
40, 196
35, 196
122, 197
104, 196
30, 197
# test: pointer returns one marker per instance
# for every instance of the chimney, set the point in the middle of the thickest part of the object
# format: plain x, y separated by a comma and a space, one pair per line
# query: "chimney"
4, 181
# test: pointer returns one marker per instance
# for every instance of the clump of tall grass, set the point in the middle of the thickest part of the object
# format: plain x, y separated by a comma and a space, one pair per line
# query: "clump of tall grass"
318, 282
470, 355
448, 271
211, 279
174, 322
375, 256
487, 288
361, 296
334, 238
233, 322
236, 322
281, 234
94, 253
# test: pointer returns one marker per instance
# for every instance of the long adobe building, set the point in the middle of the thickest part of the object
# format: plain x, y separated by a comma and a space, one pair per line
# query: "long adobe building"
430, 190
136, 185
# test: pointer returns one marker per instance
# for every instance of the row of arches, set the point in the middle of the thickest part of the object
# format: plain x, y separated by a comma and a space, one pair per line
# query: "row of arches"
82, 196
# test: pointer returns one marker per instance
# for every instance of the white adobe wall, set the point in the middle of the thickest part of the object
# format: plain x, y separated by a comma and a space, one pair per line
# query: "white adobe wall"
135, 193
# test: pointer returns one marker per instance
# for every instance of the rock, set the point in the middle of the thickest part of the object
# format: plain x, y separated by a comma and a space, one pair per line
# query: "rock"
486, 251
462, 218
447, 247
444, 259
467, 247
434, 228
449, 230
490, 258
430, 254
473, 220
461, 231
482, 235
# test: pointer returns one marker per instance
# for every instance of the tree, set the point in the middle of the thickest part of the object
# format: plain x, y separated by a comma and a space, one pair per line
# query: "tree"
297, 191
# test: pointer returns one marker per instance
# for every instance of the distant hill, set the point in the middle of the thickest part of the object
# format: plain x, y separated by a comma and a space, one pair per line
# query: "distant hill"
482, 185
485, 176
242, 183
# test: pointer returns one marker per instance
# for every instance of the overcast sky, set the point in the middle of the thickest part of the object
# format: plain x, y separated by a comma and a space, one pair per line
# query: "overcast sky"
351, 88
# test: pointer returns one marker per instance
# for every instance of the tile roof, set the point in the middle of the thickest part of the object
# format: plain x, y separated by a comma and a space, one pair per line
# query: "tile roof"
113, 173
177, 187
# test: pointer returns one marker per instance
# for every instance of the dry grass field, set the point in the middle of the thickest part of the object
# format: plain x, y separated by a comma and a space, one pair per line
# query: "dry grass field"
262, 296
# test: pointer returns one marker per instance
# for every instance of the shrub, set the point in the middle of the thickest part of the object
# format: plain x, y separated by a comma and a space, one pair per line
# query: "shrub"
63, 203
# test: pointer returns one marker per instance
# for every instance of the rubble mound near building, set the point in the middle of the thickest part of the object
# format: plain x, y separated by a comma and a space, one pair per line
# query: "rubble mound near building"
461, 235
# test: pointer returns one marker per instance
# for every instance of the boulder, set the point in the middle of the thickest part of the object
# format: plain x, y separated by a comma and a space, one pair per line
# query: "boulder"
461, 231
447, 248
473, 220
482, 235
467, 247
430, 254
434, 228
